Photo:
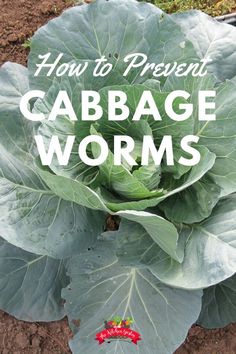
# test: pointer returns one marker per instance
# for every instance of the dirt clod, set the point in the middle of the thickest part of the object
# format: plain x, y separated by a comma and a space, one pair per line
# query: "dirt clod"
19, 337
22, 341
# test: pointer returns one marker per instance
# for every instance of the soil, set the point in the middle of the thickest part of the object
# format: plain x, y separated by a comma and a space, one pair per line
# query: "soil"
214, 341
18, 337
19, 20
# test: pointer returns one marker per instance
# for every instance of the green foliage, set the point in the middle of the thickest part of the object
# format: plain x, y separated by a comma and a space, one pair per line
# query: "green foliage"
219, 305
177, 234
211, 7
27, 43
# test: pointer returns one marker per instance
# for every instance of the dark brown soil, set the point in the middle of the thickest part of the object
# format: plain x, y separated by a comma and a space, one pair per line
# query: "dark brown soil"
215, 341
18, 337
19, 20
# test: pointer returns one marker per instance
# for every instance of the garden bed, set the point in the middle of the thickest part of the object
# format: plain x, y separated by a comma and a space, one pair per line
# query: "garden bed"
20, 19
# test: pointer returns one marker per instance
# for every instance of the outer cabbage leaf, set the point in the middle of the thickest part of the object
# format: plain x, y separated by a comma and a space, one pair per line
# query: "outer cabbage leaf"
211, 39
31, 285
219, 137
15, 129
39, 221
63, 127
110, 28
72, 190
210, 255
31, 216
101, 288
161, 231
194, 203
219, 305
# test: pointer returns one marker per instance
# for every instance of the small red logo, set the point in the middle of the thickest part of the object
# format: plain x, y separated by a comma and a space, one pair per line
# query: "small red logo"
118, 329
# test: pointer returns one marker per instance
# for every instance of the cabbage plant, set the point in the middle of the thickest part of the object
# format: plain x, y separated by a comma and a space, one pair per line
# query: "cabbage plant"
172, 260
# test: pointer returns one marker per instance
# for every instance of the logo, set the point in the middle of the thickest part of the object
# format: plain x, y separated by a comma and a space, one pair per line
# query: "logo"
118, 329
